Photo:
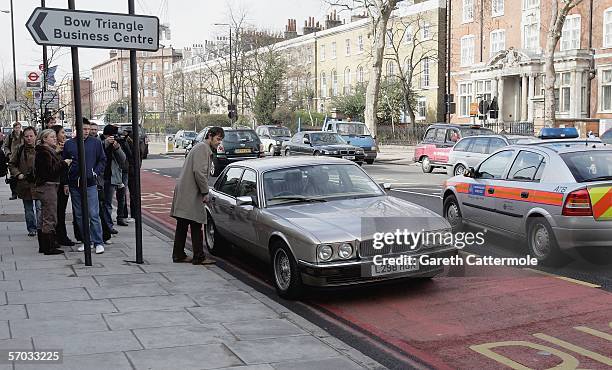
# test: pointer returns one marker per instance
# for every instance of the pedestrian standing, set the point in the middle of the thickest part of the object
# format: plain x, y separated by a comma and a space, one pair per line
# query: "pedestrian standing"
190, 195
132, 174
11, 143
113, 173
50, 121
122, 209
21, 166
49, 167
95, 160
62, 192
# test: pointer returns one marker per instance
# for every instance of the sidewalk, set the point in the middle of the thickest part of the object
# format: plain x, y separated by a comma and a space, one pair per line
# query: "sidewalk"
159, 315
396, 153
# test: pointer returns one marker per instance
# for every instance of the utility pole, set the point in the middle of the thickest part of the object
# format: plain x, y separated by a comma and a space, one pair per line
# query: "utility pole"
14, 68
45, 64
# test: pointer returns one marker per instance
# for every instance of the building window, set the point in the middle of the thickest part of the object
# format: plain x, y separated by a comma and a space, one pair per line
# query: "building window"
498, 41
468, 11
497, 8
467, 50
146, 80
125, 67
425, 80
322, 52
360, 43
426, 31
154, 66
360, 75
154, 91
154, 80
333, 50
531, 33
421, 110
408, 37
147, 67
570, 36
347, 44
530, 4
309, 55
323, 85
606, 90
146, 92
483, 90
607, 28
334, 77
391, 71
347, 81
563, 92
166, 66
465, 99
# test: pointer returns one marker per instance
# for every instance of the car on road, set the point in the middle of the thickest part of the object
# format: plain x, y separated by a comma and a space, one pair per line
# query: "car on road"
272, 138
355, 133
239, 143
433, 151
319, 143
471, 150
606, 137
556, 197
304, 216
183, 138
144, 139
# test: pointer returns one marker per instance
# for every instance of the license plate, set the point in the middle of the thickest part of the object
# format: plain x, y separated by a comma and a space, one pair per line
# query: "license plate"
246, 150
393, 269
351, 157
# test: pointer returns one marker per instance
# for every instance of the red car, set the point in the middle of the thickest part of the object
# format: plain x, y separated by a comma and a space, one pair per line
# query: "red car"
438, 141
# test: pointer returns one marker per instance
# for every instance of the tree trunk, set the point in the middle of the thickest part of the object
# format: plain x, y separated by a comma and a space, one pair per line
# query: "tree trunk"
379, 30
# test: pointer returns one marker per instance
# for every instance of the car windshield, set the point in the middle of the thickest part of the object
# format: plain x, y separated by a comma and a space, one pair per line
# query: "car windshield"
279, 131
190, 134
326, 138
353, 128
589, 165
607, 137
465, 132
236, 136
317, 183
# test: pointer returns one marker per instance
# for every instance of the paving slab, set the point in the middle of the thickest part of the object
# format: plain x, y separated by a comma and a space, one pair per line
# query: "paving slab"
281, 349
10, 286
39, 275
229, 313
216, 298
58, 282
55, 295
134, 290
208, 356
326, 363
54, 325
21, 343
197, 287
40, 310
34, 264
102, 361
129, 279
5, 333
261, 329
201, 274
187, 335
13, 311
153, 303
82, 270
7, 266
149, 319
89, 343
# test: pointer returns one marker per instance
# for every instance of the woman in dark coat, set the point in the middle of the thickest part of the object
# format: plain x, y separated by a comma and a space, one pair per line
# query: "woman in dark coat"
49, 167
62, 193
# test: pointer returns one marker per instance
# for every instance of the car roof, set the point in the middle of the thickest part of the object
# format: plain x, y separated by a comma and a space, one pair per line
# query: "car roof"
272, 163
495, 136
561, 149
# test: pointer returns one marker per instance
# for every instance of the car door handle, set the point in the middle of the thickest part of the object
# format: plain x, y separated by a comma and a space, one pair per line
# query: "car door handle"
490, 190
524, 194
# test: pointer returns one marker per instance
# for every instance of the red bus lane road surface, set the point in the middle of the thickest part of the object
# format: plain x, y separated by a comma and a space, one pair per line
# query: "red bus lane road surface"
490, 318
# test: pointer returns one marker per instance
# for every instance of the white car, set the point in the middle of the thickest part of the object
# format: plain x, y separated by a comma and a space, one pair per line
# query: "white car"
272, 138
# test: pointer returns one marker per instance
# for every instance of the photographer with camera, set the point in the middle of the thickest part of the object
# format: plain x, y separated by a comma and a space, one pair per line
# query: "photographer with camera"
122, 210
21, 166
116, 161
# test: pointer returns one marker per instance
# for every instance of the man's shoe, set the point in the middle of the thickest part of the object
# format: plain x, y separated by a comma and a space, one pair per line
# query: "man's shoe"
114, 231
31, 233
67, 243
51, 252
129, 220
99, 249
204, 261
122, 222
13, 197
185, 259
107, 242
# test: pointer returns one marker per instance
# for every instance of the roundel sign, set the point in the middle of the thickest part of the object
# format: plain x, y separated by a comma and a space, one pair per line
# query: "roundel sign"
33, 76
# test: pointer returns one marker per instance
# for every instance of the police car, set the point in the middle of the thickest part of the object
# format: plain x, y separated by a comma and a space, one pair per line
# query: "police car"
556, 195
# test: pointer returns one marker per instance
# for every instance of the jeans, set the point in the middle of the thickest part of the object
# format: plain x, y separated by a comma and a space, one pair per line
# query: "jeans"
109, 194
32, 214
95, 227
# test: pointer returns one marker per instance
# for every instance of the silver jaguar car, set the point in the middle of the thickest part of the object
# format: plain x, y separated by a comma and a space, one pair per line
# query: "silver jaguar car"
315, 220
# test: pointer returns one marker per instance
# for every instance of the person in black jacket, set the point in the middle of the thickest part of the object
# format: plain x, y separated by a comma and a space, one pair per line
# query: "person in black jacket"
62, 193
48, 167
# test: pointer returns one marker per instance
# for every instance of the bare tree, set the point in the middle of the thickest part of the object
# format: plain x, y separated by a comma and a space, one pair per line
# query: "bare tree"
379, 12
559, 9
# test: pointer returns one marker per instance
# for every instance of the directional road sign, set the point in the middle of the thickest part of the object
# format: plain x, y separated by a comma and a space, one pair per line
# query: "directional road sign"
61, 27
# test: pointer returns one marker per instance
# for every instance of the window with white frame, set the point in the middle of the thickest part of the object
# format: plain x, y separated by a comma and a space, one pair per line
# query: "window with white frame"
497, 8
347, 81
146, 80
166, 66
467, 50
426, 31
147, 67
498, 41
347, 46
154, 66
334, 77
322, 53
408, 37
570, 35
323, 85
421, 111
390, 71
468, 11
360, 43
606, 90
146, 92
465, 98
607, 28
425, 72
531, 34
530, 4
360, 75
333, 50
563, 92
484, 90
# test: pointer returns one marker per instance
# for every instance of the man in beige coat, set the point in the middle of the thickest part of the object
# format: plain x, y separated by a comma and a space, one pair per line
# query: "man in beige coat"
190, 195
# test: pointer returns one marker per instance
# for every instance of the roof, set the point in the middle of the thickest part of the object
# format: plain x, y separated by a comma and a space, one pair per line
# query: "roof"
557, 146
272, 163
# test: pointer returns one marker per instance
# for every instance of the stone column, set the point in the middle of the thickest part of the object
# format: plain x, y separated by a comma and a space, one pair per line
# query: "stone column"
500, 98
530, 95
575, 94
524, 97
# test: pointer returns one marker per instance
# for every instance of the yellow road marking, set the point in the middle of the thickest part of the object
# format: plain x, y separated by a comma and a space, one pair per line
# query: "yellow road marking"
572, 347
486, 349
575, 281
594, 332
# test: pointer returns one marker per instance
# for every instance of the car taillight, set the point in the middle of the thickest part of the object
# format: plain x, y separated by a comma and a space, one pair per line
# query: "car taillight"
220, 148
577, 203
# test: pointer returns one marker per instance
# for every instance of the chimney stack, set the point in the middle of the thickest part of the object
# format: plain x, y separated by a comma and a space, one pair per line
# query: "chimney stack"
310, 26
332, 21
291, 29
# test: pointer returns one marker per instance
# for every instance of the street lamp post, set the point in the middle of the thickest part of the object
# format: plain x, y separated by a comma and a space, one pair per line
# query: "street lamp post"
13, 45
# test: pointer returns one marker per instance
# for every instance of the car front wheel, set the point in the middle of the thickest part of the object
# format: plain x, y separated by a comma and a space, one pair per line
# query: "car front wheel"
287, 153
459, 170
542, 243
215, 243
426, 165
287, 279
452, 213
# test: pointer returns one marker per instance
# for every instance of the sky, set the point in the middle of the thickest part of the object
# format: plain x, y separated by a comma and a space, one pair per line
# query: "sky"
191, 22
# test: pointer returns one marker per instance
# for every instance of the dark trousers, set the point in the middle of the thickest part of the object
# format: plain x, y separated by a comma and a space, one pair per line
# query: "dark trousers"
13, 185
62, 204
132, 189
180, 237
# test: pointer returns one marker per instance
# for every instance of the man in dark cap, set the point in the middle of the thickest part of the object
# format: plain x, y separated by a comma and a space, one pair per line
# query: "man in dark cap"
116, 162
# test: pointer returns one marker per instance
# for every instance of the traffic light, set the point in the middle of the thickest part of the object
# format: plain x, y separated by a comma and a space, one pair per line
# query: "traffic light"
493, 109
232, 112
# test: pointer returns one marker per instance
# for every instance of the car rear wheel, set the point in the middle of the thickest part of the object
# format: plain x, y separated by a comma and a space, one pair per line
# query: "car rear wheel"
426, 165
215, 243
287, 279
452, 213
459, 170
542, 243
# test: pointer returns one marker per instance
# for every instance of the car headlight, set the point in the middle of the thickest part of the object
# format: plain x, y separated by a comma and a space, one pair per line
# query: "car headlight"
359, 151
345, 251
325, 252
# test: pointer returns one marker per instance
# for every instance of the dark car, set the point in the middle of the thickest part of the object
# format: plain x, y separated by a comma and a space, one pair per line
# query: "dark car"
607, 137
322, 143
272, 138
144, 140
239, 143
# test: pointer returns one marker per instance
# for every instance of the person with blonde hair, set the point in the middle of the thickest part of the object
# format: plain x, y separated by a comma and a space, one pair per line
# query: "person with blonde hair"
48, 167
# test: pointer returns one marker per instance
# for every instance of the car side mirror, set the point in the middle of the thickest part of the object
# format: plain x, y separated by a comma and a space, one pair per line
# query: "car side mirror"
244, 201
470, 172
385, 185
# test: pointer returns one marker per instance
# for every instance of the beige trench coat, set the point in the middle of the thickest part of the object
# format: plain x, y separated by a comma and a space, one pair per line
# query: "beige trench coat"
192, 185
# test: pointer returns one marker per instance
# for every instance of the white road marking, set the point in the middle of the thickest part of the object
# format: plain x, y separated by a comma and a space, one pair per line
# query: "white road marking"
167, 176
417, 193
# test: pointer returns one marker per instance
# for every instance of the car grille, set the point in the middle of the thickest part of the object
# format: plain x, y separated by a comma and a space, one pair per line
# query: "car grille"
366, 249
345, 152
